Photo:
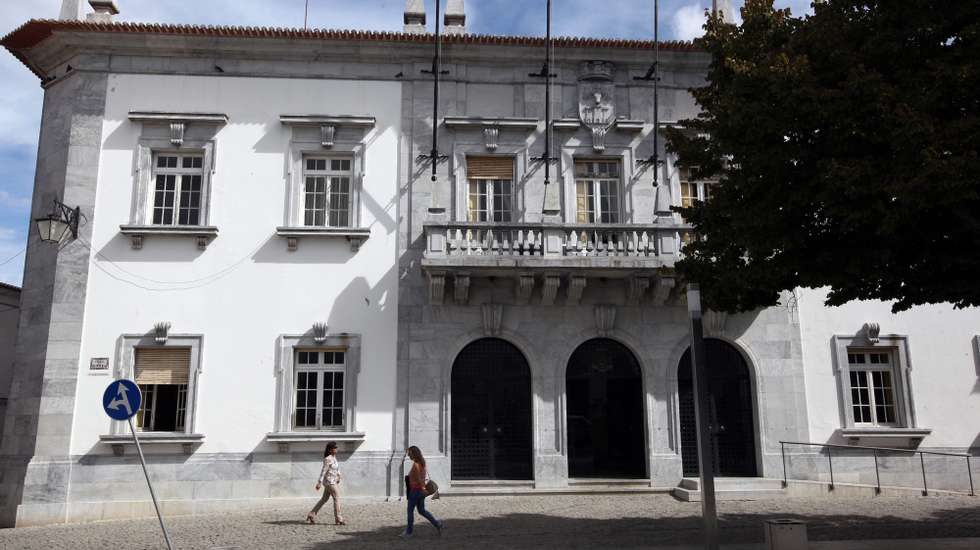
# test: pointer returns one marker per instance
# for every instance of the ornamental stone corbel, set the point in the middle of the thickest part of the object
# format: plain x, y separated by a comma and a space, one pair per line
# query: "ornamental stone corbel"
327, 133
136, 242
461, 288
319, 332
662, 290
605, 319
161, 332
871, 332
437, 287
576, 286
490, 135
493, 314
599, 138
636, 290
550, 289
177, 133
524, 287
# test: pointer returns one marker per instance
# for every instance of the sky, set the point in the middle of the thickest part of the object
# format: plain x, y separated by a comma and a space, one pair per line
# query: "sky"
21, 112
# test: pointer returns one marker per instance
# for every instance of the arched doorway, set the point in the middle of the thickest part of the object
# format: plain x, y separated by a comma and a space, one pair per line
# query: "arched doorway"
491, 412
604, 389
731, 419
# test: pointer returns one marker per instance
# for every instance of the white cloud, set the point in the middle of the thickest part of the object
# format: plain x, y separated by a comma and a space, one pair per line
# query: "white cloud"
687, 22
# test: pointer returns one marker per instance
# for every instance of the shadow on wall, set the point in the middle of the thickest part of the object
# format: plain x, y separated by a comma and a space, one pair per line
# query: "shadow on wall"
976, 365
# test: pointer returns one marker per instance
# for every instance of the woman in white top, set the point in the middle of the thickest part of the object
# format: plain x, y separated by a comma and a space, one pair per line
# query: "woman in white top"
330, 480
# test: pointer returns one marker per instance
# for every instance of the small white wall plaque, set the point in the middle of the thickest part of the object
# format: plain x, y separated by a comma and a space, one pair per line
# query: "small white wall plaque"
98, 364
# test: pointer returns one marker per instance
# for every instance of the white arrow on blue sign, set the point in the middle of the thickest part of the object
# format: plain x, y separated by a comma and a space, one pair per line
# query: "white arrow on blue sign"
122, 399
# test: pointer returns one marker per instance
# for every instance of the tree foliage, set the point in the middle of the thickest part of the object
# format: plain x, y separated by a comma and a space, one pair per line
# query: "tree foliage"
846, 144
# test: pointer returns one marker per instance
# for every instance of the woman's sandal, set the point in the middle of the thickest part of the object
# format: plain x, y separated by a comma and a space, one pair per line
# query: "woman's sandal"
311, 518
339, 522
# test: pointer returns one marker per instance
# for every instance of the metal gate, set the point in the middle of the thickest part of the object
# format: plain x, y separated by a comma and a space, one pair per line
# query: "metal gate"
604, 406
731, 420
491, 412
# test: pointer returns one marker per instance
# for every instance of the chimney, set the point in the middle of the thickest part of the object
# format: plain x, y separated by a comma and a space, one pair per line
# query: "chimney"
725, 7
71, 10
104, 10
415, 16
455, 19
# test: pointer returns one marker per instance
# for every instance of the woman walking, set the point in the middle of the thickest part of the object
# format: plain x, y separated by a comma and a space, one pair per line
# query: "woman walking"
416, 492
330, 480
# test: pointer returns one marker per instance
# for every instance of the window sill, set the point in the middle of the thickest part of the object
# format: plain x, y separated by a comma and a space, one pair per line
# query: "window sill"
203, 233
120, 441
884, 436
283, 439
354, 235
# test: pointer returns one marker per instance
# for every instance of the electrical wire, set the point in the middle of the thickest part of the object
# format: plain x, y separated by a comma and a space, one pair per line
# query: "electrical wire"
10, 259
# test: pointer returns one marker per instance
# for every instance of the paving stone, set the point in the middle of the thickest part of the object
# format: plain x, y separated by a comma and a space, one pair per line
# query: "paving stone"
580, 521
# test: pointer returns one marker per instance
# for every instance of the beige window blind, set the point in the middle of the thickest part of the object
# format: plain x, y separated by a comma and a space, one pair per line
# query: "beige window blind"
164, 365
494, 168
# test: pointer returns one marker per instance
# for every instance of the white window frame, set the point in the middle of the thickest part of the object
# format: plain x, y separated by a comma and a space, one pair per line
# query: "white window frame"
125, 367
148, 148
868, 368
897, 347
331, 177
149, 401
471, 145
320, 369
702, 189
303, 146
594, 191
287, 367
489, 194
180, 174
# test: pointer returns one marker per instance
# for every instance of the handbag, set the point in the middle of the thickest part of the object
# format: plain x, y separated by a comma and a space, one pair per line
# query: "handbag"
432, 488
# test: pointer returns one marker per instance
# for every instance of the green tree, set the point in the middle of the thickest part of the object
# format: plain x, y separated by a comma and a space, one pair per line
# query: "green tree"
846, 145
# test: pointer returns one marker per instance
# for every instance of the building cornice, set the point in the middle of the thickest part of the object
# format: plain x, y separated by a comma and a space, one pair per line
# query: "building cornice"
22, 41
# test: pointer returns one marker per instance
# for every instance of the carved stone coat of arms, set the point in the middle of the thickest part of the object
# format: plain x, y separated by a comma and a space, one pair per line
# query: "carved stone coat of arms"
596, 105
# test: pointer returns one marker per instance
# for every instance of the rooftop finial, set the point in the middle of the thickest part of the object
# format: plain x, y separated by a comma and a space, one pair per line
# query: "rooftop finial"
455, 19
104, 10
415, 16
725, 7
71, 10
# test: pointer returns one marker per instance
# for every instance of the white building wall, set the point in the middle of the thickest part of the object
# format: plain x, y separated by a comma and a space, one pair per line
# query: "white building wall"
943, 355
248, 289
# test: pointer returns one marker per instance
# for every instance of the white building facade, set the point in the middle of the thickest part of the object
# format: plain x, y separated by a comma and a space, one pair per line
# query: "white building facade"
263, 249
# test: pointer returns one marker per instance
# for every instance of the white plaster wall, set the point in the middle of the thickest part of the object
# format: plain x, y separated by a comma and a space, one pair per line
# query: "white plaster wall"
263, 290
945, 368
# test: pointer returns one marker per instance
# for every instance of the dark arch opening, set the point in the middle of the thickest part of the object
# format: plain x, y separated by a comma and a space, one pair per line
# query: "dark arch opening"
491, 412
604, 407
731, 418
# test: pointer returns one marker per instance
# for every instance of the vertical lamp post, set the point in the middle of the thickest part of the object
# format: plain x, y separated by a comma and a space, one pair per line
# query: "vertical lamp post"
706, 466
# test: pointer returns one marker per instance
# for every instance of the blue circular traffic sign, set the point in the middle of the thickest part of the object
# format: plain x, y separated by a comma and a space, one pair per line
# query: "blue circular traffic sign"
122, 399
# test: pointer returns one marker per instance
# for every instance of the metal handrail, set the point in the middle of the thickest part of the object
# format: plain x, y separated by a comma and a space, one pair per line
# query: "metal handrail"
875, 451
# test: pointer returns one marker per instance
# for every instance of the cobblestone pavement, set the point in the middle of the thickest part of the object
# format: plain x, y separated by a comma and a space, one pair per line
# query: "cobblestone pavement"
600, 521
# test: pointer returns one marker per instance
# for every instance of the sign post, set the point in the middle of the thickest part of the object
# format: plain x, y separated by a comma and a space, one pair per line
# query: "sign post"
706, 467
121, 401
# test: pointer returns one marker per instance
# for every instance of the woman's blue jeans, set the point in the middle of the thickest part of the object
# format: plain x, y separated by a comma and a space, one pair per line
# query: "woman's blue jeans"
416, 499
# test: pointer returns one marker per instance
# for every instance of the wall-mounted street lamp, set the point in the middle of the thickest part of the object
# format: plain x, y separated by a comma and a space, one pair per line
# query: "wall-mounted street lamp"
62, 219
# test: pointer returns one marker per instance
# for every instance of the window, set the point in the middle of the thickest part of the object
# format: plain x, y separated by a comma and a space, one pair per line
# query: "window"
873, 381
327, 192
490, 189
316, 385
872, 388
177, 189
162, 375
692, 190
597, 191
319, 390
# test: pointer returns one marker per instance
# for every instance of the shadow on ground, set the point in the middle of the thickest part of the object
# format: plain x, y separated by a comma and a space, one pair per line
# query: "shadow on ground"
548, 531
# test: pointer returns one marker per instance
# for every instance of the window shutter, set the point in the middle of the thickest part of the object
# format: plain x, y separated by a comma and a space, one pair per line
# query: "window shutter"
494, 168
164, 365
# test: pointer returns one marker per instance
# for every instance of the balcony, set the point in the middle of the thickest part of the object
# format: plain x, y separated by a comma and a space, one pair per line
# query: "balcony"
641, 255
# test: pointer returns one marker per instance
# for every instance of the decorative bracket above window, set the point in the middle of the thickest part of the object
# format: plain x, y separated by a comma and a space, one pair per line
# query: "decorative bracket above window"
491, 126
329, 124
178, 122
